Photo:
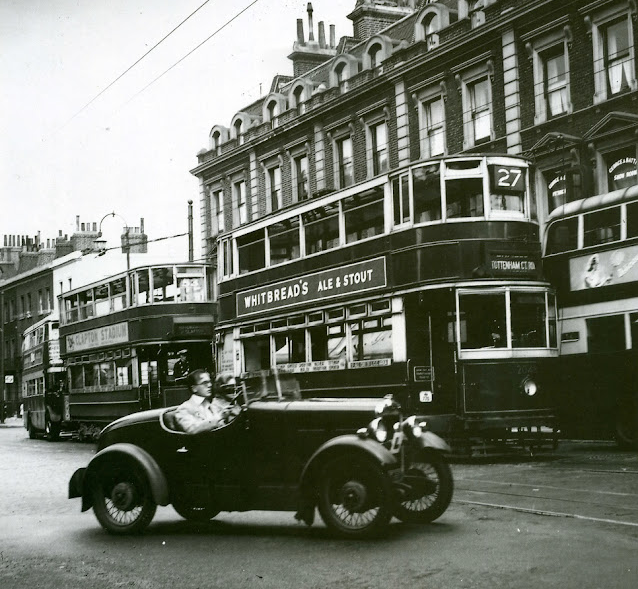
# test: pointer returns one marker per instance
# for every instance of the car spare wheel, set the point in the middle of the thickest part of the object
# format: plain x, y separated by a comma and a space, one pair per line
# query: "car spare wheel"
193, 513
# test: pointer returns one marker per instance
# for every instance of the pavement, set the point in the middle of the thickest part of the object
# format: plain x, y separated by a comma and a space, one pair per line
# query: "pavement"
12, 422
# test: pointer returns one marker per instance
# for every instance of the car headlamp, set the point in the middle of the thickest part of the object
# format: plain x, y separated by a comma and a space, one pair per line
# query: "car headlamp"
413, 428
378, 430
529, 387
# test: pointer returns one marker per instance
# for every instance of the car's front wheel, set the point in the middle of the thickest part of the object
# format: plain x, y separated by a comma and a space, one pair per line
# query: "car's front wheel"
193, 513
122, 501
429, 489
355, 497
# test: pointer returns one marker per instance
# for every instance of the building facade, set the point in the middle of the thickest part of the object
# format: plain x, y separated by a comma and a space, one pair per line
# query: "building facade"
418, 83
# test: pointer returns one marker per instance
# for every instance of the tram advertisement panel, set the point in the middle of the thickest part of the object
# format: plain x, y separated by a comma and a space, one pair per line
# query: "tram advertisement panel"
95, 338
312, 287
604, 268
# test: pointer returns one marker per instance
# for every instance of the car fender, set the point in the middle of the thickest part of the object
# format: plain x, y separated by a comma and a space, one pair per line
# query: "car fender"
82, 479
351, 444
430, 441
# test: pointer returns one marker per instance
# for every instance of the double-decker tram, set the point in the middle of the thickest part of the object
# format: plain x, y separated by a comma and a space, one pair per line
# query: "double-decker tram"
43, 379
591, 255
129, 341
425, 283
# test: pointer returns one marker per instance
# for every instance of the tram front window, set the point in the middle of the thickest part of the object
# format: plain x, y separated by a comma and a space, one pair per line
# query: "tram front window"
483, 321
528, 320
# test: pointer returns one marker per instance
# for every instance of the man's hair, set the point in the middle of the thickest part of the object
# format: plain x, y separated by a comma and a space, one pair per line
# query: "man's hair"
194, 377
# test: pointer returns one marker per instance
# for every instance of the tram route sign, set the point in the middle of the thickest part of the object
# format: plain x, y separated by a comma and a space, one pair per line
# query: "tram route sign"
97, 338
352, 278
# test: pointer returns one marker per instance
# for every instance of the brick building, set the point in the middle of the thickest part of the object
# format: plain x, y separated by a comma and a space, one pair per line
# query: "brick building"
555, 81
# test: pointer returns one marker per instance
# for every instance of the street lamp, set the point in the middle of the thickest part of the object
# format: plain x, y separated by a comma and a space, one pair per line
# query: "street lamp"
126, 247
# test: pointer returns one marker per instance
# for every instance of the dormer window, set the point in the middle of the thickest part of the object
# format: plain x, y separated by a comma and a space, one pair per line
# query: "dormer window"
374, 54
432, 19
342, 79
218, 136
344, 67
431, 26
216, 142
271, 107
238, 130
298, 99
477, 14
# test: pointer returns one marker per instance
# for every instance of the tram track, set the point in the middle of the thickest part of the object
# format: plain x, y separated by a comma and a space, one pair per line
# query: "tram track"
604, 495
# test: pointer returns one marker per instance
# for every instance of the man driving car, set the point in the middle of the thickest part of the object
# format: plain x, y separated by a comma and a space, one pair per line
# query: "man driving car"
208, 407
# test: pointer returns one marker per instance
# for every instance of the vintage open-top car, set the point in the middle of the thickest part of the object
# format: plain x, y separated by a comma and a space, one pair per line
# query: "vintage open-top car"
279, 454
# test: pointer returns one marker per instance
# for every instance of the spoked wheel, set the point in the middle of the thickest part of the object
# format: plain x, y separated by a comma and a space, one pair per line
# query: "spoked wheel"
429, 490
122, 502
355, 498
195, 514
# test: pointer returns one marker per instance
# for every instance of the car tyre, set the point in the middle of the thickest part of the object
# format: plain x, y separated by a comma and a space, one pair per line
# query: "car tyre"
195, 514
432, 478
355, 498
122, 501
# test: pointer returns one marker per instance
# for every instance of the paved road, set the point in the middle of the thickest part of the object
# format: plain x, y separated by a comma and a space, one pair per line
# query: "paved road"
565, 522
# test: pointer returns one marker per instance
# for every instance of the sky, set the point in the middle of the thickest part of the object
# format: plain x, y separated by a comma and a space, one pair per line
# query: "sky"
65, 153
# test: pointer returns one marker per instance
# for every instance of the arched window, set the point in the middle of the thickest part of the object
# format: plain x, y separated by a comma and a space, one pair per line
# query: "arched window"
217, 141
298, 95
374, 54
271, 109
238, 129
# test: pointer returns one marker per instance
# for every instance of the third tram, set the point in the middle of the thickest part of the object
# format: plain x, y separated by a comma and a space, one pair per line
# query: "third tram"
591, 255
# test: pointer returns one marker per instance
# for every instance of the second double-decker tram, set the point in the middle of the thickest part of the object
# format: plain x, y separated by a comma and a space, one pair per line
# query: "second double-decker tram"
129, 341
425, 283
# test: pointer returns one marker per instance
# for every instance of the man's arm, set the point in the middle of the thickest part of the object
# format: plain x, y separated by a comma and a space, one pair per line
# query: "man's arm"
193, 424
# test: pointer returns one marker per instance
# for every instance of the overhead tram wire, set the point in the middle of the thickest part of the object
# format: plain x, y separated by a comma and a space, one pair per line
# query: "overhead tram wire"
134, 64
228, 22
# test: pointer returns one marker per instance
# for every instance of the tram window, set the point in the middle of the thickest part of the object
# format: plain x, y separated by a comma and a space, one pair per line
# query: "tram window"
123, 372
337, 344
191, 290
106, 373
257, 353
77, 377
632, 220
633, 319
401, 199
318, 343
252, 252
90, 375
71, 309
426, 186
283, 240
102, 303
484, 320
507, 202
606, 334
85, 303
290, 347
371, 338
118, 294
528, 320
464, 197
562, 236
602, 226
144, 287
553, 337
164, 289
363, 215
322, 228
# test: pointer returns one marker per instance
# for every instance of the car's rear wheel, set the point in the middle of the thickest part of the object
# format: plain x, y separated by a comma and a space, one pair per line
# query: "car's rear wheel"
193, 513
430, 488
122, 500
355, 497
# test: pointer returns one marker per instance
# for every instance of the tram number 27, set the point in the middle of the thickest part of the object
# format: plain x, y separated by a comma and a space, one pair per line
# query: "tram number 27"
507, 179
